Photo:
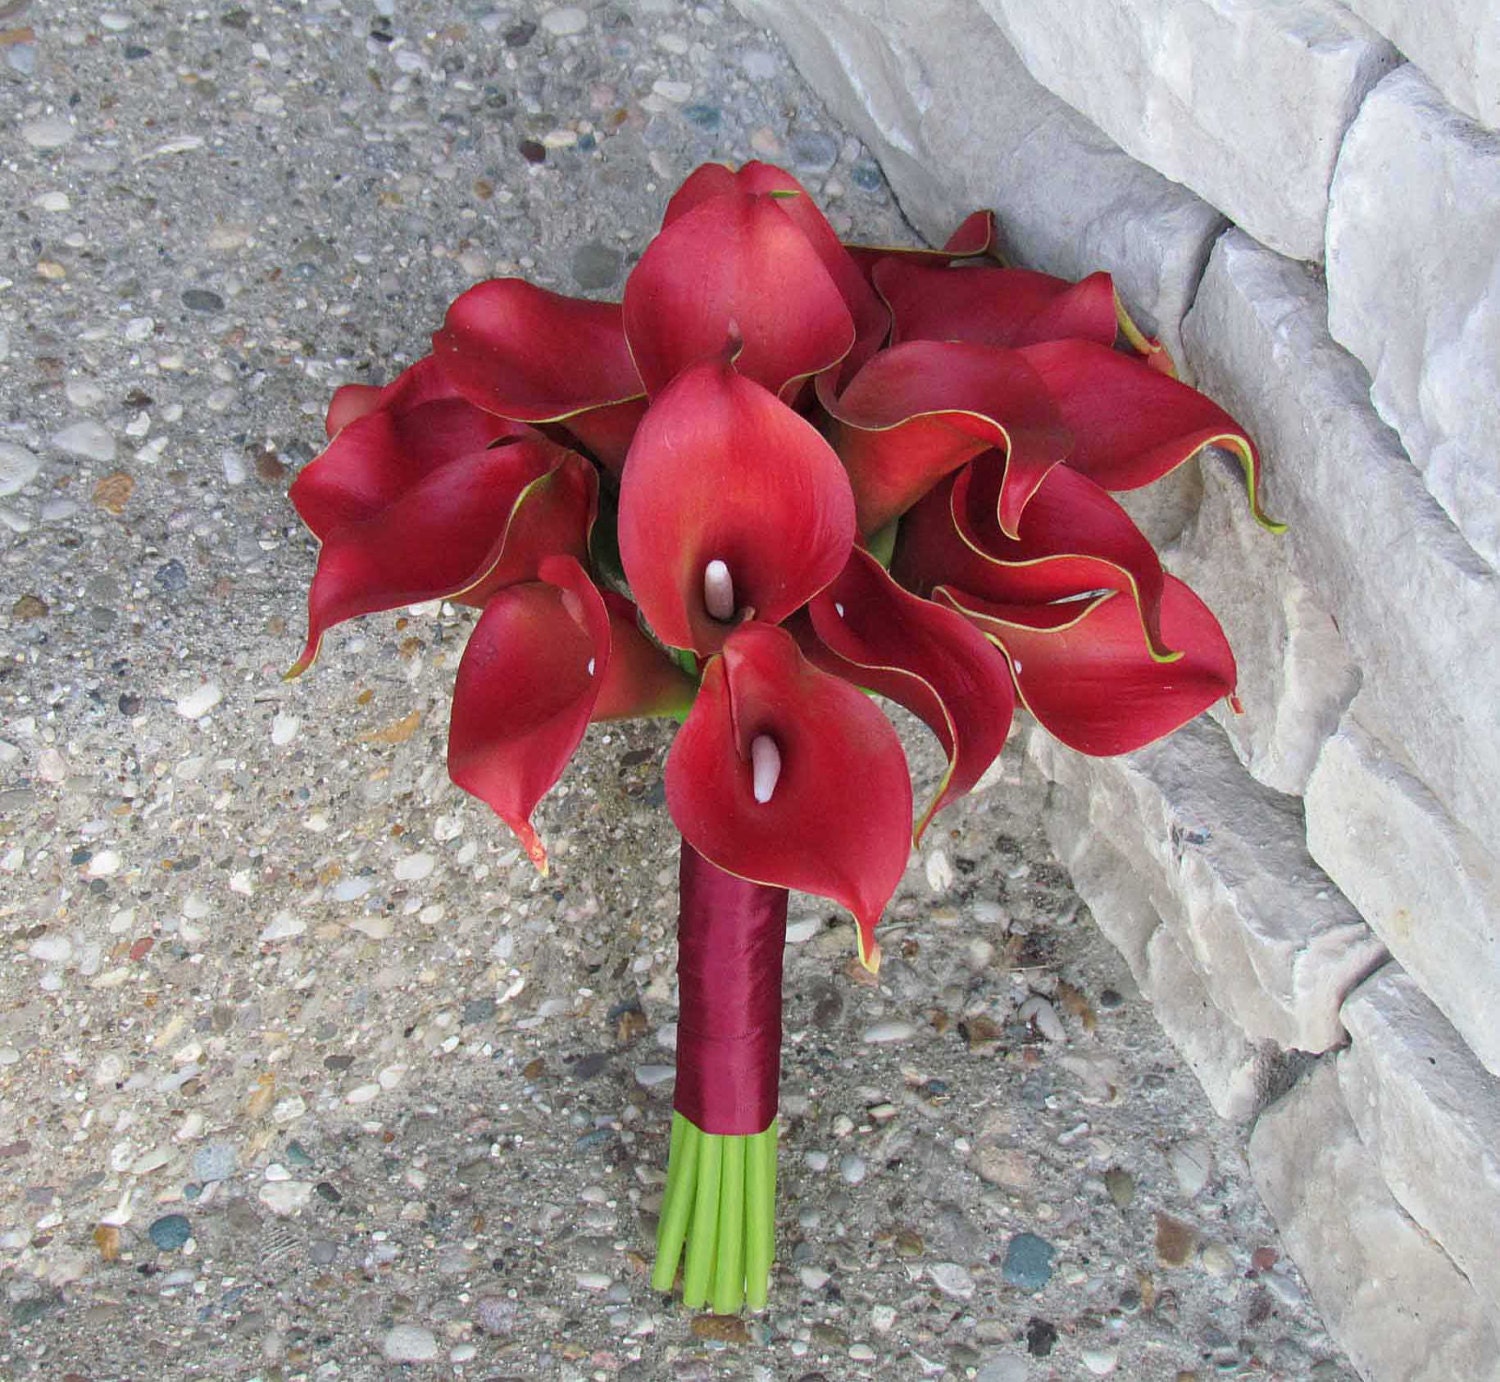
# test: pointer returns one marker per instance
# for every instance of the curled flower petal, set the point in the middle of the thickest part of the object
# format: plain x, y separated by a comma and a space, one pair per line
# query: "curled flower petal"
532, 355
995, 307
640, 679
468, 528
526, 689
421, 383
922, 656
918, 411
1131, 423
414, 425
1075, 540
1084, 671
735, 268
721, 471
838, 821
977, 236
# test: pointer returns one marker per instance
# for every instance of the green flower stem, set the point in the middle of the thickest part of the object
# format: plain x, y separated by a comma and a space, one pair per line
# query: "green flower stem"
760, 1193
720, 1200
703, 1231
676, 1204
882, 544
729, 1268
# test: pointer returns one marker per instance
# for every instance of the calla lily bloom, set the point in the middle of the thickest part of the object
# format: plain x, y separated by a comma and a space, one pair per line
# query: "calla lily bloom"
865, 628
720, 471
546, 658
783, 473
837, 818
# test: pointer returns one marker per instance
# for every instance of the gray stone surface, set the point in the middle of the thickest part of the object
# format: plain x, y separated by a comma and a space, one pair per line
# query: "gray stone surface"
1390, 1295
958, 124
1224, 862
1238, 1075
1418, 611
1414, 288
1295, 674
1116, 894
1430, 1115
1428, 887
1455, 42
1244, 103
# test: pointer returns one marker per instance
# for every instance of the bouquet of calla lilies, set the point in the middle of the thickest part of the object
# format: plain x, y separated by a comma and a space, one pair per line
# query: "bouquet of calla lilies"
783, 473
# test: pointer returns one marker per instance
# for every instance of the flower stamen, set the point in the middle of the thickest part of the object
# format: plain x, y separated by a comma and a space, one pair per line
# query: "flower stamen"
718, 591
765, 765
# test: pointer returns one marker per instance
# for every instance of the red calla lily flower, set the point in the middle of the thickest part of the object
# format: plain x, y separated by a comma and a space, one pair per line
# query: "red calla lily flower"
735, 267
817, 471
868, 630
722, 471
994, 307
919, 411
836, 821
530, 355
546, 658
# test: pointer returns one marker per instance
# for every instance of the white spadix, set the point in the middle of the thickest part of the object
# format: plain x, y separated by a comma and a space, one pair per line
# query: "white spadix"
765, 765
718, 590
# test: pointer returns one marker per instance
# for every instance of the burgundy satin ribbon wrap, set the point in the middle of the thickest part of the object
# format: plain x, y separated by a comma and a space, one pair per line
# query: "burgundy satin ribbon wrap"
730, 937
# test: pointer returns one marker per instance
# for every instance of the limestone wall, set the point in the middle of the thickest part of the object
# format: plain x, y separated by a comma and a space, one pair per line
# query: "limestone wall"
1303, 199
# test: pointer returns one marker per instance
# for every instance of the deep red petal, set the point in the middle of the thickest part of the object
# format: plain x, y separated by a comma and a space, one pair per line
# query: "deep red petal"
421, 383
642, 679
930, 550
526, 687
978, 233
922, 656
872, 321
977, 236
1074, 539
839, 821
918, 411
467, 529
1132, 424
1090, 680
379, 453
735, 268
350, 401
535, 356
703, 184
720, 470
996, 307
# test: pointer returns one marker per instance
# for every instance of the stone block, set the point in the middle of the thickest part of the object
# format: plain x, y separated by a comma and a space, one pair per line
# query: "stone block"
1430, 1115
1455, 42
1295, 675
1414, 288
1100, 875
1224, 863
1245, 103
1428, 887
1237, 1075
1420, 613
1390, 1296
957, 122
